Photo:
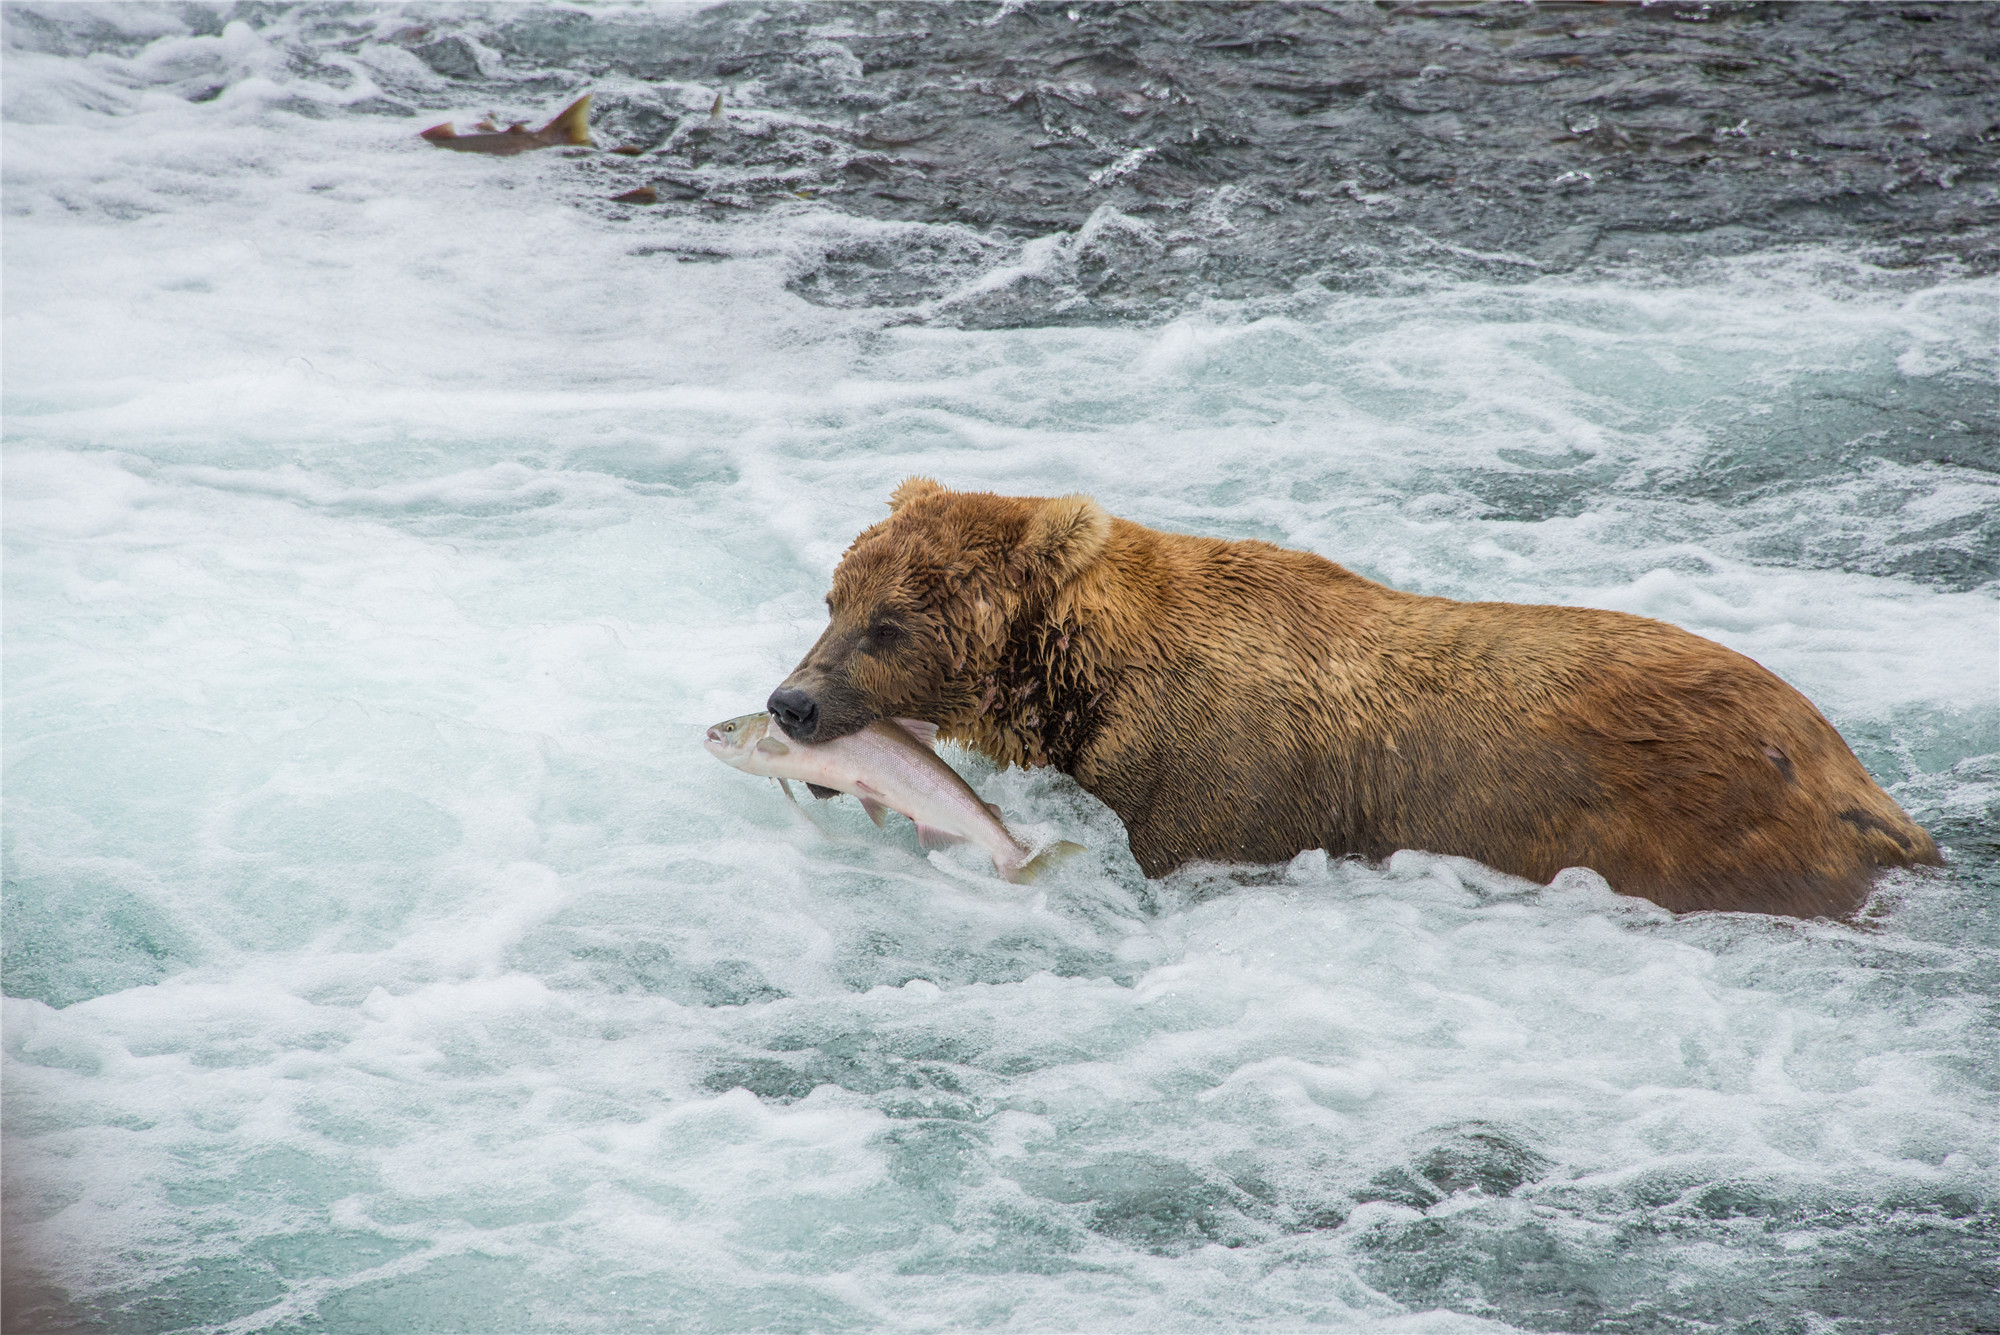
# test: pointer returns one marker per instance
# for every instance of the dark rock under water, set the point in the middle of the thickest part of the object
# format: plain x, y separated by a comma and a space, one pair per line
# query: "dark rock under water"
1248, 148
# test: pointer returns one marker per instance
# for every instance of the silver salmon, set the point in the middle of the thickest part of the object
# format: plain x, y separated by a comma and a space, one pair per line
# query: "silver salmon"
571, 126
889, 766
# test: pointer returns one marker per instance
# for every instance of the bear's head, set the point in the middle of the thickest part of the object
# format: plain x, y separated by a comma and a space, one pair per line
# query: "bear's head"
926, 604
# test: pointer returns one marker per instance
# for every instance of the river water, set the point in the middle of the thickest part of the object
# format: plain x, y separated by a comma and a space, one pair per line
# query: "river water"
384, 525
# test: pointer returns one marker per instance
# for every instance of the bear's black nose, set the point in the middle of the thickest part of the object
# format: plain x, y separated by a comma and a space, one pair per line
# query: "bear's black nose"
796, 712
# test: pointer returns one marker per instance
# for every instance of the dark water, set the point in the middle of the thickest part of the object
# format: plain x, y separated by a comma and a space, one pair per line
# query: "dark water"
1264, 145
1273, 144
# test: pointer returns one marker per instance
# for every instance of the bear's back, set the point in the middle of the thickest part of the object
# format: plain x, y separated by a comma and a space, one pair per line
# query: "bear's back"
1280, 702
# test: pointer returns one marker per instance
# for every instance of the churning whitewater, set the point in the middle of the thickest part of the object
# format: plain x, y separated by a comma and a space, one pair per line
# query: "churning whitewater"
384, 526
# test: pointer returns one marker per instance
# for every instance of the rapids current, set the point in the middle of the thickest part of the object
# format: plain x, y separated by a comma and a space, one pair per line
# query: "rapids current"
384, 525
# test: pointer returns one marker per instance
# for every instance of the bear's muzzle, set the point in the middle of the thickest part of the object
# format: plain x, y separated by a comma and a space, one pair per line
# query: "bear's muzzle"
795, 711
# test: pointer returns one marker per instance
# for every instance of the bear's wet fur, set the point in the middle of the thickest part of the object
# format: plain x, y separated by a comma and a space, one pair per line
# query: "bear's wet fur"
1238, 702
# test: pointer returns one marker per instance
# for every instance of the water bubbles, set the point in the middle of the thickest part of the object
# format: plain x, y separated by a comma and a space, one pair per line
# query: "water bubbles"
1107, 175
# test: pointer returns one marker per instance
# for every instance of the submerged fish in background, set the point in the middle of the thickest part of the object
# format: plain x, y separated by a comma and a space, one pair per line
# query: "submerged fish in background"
571, 126
887, 765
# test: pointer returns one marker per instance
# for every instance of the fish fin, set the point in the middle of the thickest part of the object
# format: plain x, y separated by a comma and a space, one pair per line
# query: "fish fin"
930, 838
998, 814
573, 121
645, 194
486, 126
1060, 851
822, 792
874, 810
715, 111
786, 784
437, 132
922, 731
771, 746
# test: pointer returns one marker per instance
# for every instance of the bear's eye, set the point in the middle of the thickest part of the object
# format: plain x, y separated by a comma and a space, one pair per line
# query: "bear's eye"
884, 635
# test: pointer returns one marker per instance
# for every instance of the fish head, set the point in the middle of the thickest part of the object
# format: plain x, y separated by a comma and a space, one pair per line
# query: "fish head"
733, 741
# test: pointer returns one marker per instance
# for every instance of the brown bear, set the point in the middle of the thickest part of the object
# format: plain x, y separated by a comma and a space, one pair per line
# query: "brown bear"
1238, 702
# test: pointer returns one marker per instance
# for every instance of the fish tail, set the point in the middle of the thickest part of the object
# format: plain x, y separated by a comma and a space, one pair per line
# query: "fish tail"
572, 122
1060, 851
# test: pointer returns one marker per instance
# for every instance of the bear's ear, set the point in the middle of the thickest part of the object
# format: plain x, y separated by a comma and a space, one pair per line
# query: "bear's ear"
1064, 536
914, 489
